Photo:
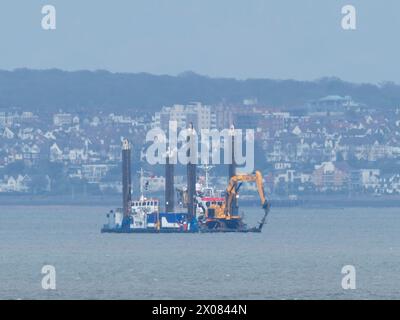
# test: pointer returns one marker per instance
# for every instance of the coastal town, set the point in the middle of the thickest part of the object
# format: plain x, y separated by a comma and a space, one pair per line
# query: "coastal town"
330, 146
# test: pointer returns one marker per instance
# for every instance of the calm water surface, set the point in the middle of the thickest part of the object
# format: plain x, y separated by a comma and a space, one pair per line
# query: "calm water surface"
299, 255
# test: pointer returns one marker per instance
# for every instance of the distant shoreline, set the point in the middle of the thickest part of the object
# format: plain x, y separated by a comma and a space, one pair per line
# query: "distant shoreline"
114, 201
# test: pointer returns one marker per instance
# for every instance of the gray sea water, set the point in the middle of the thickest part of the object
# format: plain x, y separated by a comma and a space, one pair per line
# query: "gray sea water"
299, 255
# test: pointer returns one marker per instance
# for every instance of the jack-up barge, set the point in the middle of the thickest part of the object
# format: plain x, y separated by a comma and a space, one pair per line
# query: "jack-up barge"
201, 209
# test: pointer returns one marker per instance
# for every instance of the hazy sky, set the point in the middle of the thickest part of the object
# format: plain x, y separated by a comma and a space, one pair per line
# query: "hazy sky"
300, 39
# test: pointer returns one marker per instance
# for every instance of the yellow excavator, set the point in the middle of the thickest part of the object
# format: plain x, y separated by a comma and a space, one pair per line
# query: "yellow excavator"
233, 190
225, 212
234, 185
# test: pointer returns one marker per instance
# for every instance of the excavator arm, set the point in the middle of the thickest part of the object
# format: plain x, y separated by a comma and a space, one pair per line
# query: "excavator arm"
260, 189
264, 202
232, 190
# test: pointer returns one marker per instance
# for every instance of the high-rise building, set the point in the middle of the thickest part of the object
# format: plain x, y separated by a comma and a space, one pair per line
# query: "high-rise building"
200, 115
60, 119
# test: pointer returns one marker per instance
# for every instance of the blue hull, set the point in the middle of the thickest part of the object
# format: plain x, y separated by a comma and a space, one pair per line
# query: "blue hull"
162, 230
185, 226
172, 221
